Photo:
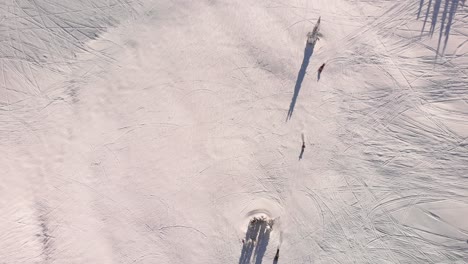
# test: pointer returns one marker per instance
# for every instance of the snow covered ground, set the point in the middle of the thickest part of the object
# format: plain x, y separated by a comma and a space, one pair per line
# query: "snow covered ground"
155, 131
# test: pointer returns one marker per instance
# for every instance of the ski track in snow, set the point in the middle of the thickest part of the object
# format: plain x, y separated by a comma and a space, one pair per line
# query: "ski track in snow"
137, 131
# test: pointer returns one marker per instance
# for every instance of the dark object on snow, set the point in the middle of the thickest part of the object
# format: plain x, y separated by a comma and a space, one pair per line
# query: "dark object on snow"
321, 68
302, 151
319, 72
276, 256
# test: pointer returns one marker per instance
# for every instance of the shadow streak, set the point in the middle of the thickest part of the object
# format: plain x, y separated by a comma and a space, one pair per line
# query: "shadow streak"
308, 51
448, 9
275, 260
256, 241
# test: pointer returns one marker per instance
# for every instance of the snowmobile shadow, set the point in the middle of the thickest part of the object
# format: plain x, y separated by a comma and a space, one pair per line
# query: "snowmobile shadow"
448, 13
308, 51
256, 240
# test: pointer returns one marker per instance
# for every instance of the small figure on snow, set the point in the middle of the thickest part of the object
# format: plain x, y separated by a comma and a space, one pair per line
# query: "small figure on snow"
319, 72
303, 147
321, 68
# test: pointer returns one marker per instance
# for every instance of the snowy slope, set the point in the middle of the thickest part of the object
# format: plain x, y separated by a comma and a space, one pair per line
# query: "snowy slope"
154, 131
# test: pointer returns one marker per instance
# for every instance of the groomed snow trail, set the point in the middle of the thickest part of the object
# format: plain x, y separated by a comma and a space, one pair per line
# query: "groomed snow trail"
155, 131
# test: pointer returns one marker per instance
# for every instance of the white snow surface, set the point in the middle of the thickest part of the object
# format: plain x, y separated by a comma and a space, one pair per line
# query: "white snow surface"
154, 131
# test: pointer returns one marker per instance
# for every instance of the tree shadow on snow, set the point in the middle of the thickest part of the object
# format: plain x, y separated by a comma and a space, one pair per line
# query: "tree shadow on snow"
256, 240
308, 51
448, 9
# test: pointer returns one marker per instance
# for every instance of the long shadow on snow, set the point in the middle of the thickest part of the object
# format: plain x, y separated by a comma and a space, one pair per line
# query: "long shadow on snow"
308, 51
448, 12
256, 241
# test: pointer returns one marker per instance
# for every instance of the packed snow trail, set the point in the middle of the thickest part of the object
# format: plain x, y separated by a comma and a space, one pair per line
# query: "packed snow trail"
154, 131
